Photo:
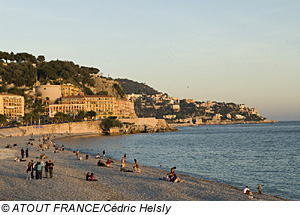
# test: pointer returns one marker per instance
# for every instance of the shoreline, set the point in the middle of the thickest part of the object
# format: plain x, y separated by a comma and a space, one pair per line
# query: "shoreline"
69, 182
220, 123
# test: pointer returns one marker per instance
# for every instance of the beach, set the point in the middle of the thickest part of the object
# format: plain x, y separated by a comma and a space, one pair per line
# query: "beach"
69, 184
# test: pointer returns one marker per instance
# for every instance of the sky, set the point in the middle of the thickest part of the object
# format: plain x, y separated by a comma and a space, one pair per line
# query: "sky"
246, 52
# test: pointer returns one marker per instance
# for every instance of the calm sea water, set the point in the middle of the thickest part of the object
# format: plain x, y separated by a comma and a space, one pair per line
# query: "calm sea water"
239, 155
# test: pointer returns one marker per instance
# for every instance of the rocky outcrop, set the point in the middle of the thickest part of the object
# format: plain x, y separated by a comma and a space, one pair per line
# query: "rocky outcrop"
145, 125
103, 84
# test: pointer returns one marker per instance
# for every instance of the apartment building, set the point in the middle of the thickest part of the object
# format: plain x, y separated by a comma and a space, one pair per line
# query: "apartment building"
12, 106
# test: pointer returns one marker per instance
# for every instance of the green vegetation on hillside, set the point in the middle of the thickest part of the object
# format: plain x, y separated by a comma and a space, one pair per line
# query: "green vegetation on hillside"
24, 69
130, 86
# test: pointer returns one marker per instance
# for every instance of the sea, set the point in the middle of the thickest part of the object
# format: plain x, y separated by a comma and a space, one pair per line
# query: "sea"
239, 155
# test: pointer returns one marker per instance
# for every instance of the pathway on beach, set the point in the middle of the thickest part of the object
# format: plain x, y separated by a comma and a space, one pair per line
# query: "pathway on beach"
69, 182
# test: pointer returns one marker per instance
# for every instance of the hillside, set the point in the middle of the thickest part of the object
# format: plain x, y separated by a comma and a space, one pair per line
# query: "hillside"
22, 70
130, 86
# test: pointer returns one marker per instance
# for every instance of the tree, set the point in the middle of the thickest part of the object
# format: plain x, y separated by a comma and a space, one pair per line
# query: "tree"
119, 90
110, 122
3, 120
91, 114
105, 93
81, 115
61, 117
40, 58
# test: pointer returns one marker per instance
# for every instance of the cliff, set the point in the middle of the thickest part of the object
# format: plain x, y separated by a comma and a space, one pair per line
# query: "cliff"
106, 86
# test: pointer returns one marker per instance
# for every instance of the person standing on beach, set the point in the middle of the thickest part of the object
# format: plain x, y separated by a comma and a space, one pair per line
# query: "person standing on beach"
77, 154
123, 164
22, 153
29, 170
38, 170
46, 169
42, 164
136, 167
26, 152
33, 166
51, 165
259, 189
103, 154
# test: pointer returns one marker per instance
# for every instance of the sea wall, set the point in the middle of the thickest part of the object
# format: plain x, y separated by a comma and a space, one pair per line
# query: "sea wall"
137, 125
72, 127
11, 132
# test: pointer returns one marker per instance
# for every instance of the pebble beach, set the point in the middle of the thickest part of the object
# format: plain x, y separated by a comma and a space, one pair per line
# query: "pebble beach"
69, 183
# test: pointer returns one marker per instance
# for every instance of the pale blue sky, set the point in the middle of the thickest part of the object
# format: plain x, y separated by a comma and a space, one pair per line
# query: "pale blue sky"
246, 52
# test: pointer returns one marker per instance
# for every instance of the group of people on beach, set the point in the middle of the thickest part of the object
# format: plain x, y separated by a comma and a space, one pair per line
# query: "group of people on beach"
249, 193
90, 177
45, 143
38, 168
172, 176
39, 165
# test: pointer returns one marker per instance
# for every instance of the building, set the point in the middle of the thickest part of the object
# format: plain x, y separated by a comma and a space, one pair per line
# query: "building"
176, 108
124, 109
12, 106
49, 92
69, 90
103, 105
238, 116
70, 109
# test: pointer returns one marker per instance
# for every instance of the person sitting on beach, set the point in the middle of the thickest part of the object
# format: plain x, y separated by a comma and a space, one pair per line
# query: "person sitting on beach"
173, 177
98, 155
17, 159
108, 162
93, 177
247, 191
136, 167
100, 163
88, 176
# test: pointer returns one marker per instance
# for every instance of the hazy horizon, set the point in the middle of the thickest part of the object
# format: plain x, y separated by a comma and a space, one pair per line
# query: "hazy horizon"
234, 51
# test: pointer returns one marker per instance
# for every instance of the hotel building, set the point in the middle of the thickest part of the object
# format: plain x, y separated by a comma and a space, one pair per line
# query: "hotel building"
103, 105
